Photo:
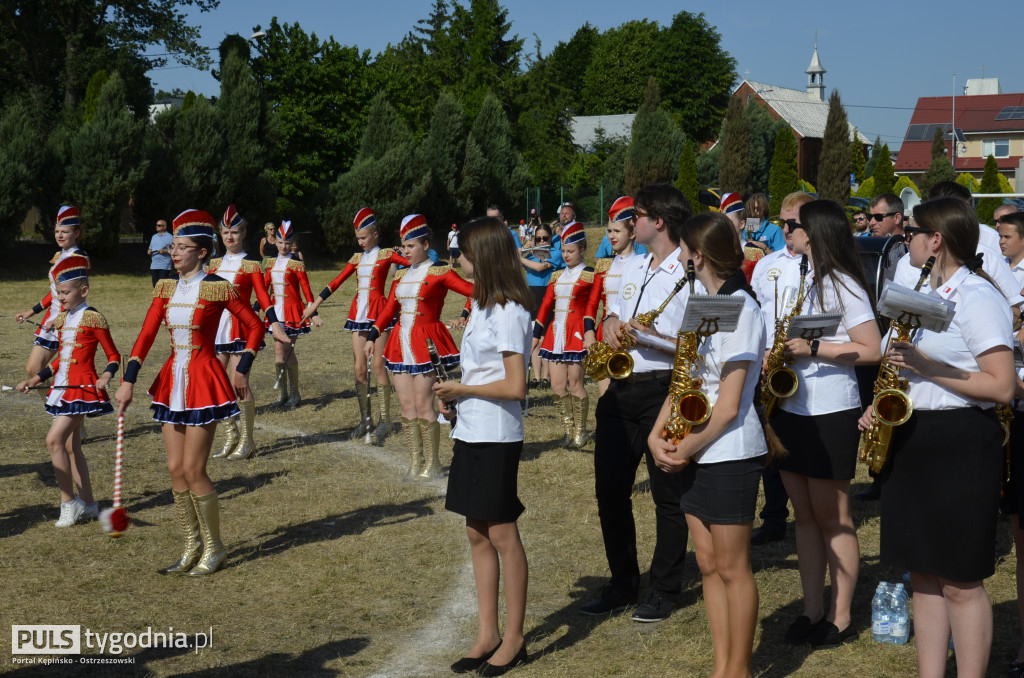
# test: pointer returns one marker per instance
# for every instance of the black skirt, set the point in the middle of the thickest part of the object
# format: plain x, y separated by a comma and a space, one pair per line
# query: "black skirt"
1013, 502
940, 494
483, 481
723, 493
820, 446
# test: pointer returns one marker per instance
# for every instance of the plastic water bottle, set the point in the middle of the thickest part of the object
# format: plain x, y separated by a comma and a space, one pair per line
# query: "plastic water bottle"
880, 618
899, 625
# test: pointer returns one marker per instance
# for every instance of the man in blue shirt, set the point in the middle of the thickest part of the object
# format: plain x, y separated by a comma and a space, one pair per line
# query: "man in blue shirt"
159, 251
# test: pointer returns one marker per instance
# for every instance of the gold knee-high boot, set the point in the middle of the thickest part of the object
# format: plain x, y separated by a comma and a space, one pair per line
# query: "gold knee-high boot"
232, 438
293, 386
282, 385
214, 553
246, 445
580, 409
565, 409
189, 523
384, 404
364, 411
431, 432
414, 439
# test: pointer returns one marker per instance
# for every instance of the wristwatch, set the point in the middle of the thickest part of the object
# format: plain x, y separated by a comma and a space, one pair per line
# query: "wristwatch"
814, 347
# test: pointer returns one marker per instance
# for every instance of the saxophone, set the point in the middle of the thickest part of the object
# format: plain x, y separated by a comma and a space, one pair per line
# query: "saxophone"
892, 406
780, 380
689, 405
603, 361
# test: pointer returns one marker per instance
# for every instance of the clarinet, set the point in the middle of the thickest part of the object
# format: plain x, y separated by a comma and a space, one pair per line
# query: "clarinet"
442, 374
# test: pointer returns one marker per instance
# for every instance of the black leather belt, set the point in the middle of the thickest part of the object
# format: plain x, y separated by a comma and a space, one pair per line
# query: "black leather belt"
656, 375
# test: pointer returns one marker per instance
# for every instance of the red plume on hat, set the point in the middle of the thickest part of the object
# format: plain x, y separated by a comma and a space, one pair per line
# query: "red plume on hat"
364, 218
68, 216
285, 230
193, 223
232, 219
414, 226
573, 233
731, 202
622, 209
71, 268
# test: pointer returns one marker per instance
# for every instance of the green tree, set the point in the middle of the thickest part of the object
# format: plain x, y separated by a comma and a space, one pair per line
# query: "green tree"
867, 189
92, 94
655, 144
232, 44
876, 150
569, 62
905, 182
250, 135
543, 123
968, 182
940, 168
104, 167
783, 179
156, 194
382, 177
620, 65
695, 74
989, 184
762, 139
834, 162
489, 62
883, 175
494, 171
686, 180
707, 166
857, 158
201, 161
22, 158
443, 151
734, 167
320, 92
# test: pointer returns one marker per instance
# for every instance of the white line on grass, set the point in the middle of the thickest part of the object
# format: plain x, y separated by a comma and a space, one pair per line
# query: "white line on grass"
429, 649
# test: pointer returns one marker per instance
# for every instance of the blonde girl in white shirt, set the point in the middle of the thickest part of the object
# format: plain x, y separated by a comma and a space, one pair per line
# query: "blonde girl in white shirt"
482, 482
721, 460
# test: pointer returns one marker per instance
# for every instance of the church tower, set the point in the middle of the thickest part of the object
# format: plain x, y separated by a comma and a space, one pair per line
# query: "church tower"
816, 76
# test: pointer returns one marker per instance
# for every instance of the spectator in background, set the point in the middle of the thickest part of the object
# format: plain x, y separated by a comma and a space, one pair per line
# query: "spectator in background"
453, 246
296, 254
1001, 211
1011, 243
542, 257
495, 211
766, 232
268, 243
861, 221
159, 251
886, 215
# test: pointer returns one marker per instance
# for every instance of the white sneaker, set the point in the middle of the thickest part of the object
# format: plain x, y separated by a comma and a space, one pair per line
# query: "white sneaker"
91, 511
70, 512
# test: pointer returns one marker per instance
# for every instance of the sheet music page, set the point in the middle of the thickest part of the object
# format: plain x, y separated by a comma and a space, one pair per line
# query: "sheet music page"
921, 310
813, 327
710, 313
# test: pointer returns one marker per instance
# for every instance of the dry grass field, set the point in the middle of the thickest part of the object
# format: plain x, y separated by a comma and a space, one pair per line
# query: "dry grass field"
338, 567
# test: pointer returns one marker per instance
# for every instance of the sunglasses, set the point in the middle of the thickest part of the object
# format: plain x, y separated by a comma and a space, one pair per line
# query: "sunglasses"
879, 217
543, 239
793, 224
911, 231
638, 215
860, 218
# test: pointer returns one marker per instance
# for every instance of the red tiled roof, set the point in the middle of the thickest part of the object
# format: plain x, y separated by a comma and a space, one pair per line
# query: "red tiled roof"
916, 156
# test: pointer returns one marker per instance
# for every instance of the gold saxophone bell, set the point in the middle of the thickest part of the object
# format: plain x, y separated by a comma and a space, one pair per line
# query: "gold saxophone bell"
782, 382
604, 362
893, 407
694, 407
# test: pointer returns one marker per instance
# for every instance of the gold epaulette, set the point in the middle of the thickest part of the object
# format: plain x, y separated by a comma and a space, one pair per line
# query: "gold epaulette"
296, 265
217, 290
438, 270
384, 253
555, 276
165, 288
603, 265
93, 318
356, 258
587, 275
55, 257
752, 253
59, 322
214, 264
401, 273
250, 266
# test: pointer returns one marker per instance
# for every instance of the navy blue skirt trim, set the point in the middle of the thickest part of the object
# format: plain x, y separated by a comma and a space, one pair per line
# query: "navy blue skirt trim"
237, 346
89, 409
567, 357
353, 326
449, 362
46, 343
197, 417
295, 331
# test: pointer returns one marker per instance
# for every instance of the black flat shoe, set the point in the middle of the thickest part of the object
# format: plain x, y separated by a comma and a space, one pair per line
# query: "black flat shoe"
1015, 669
488, 669
827, 634
470, 664
799, 630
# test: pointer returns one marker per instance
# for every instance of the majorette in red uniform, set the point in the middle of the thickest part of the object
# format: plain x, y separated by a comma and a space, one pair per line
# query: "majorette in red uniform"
288, 284
371, 267
730, 206
564, 307
244, 272
608, 271
66, 217
79, 331
193, 387
417, 298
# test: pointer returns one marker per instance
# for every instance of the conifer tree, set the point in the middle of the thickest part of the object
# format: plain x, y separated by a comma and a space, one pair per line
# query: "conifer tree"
499, 175
22, 157
857, 158
940, 169
201, 161
783, 179
734, 167
883, 175
989, 184
762, 139
444, 151
876, 149
834, 163
655, 144
687, 179
104, 167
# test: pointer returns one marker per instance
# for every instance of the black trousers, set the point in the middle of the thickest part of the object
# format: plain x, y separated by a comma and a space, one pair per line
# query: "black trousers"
625, 416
